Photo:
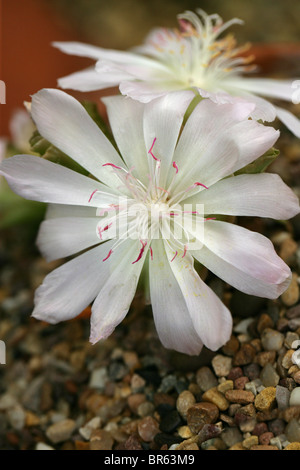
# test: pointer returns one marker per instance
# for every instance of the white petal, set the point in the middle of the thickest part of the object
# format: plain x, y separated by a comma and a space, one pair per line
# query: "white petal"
210, 317
289, 120
58, 238
172, 319
118, 290
79, 48
236, 277
63, 121
72, 287
261, 195
272, 88
146, 91
126, 120
264, 110
40, 180
86, 80
55, 211
162, 121
247, 251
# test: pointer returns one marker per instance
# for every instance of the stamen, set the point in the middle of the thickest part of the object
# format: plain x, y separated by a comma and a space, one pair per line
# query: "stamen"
200, 184
174, 256
151, 253
185, 251
176, 167
109, 253
150, 151
210, 218
100, 230
91, 196
144, 244
114, 166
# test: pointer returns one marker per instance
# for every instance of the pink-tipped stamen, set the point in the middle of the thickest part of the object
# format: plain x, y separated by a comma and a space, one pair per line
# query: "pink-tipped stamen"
210, 218
92, 195
101, 230
109, 253
114, 166
151, 253
184, 251
200, 184
190, 212
176, 167
150, 151
144, 244
174, 256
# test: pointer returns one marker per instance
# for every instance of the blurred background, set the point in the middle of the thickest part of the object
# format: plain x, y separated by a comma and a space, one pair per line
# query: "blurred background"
29, 63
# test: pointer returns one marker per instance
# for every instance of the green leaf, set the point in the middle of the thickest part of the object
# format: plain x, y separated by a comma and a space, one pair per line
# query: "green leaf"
261, 164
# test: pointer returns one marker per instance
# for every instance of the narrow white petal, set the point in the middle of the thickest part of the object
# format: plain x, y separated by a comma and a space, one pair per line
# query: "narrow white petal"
289, 120
55, 211
210, 317
272, 88
237, 278
40, 180
262, 195
87, 80
248, 251
147, 90
79, 48
58, 238
172, 319
72, 287
63, 121
118, 290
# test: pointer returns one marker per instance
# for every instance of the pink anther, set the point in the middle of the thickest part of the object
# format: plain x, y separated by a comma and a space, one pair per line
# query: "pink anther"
91, 196
174, 256
200, 184
114, 166
144, 244
150, 151
100, 230
151, 252
109, 253
176, 167
184, 251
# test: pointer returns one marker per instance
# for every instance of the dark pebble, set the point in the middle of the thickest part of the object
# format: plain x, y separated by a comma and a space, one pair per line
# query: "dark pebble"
245, 355
252, 371
209, 431
260, 428
150, 374
235, 373
293, 312
164, 409
170, 422
117, 370
277, 426
163, 438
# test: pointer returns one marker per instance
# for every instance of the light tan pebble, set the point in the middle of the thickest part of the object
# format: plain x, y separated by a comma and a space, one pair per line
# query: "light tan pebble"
250, 441
265, 400
61, 431
287, 360
238, 446
184, 432
287, 249
217, 398
224, 386
291, 295
184, 401
293, 446
264, 447
222, 365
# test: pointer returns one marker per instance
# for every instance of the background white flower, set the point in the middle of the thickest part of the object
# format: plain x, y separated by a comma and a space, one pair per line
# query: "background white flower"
193, 56
160, 168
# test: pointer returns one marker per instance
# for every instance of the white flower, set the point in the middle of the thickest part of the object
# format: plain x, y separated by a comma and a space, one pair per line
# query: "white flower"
193, 56
162, 169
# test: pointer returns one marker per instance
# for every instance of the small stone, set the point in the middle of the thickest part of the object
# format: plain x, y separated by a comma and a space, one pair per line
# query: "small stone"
265, 400
265, 357
291, 295
209, 431
237, 446
137, 383
200, 414
148, 428
252, 371
101, 440
98, 378
43, 446
240, 383
276, 441
292, 430
231, 436
290, 338
263, 447
216, 397
170, 421
260, 428
7, 401
117, 370
145, 409
296, 377
272, 340
264, 438
287, 360
184, 401
282, 397
293, 446
264, 321
242, 397
86, 430
293, 312
184, 432
135, 400
222, 365
288, 248
224, 386
206, 379
131, 359
245, 355
61, 431
188, 444
31, 419
16, 417
231, 347
235, 373
295, 397
277, 427
269, 376
250, 441
132, 443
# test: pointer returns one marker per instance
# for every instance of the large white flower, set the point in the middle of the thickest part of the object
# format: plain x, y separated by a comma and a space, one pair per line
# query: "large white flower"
192, 57
156, 183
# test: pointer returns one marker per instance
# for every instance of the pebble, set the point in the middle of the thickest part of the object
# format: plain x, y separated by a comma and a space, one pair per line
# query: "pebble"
137, 383
242, 397
231, 347
265, 400
148, 427
252, 371
245, 355
224, 386
290, 338
16, 417
209, 431
222, 365
184, 401
264, 321
235, 373
98, 378
200, 414
170, 421
43, 446
7, 401
287, 360
293, 446
86, 430
240, 383
272, 340
264, 438
282, 397
145, 409
265, 357
264, 447
231, 436
291, 295
184, 432
292, 430
295, 397
101, 440
250, 441
135, 400
61, 431
293, 312
206, 379
259, 429
269, 376
216, 397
